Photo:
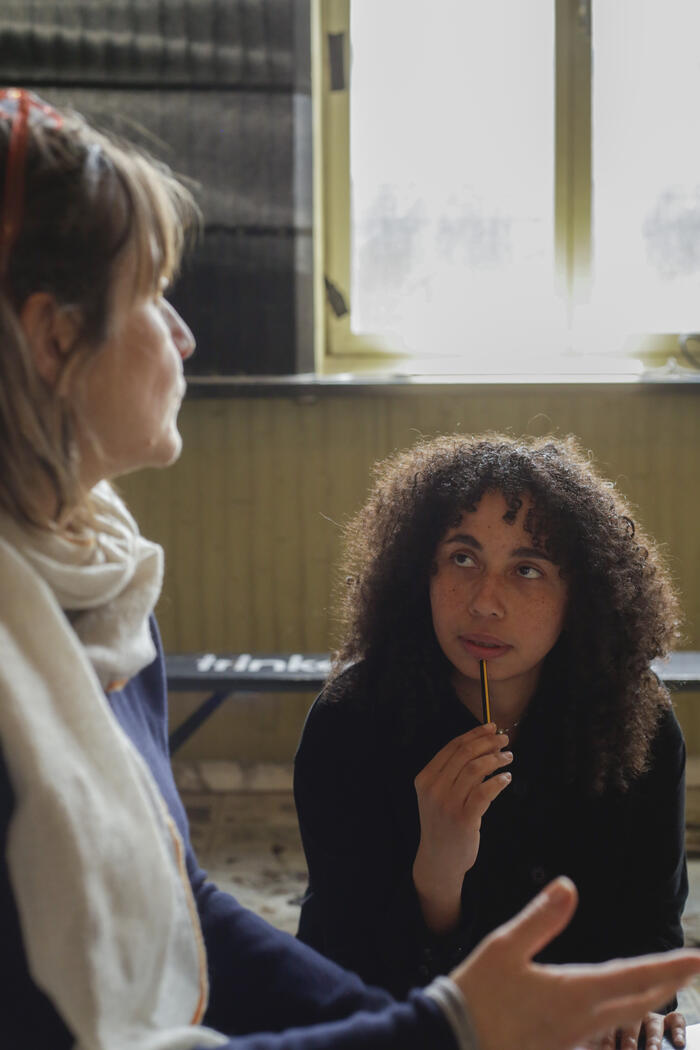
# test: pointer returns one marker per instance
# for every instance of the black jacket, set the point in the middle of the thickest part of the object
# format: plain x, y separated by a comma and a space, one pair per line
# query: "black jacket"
359, 823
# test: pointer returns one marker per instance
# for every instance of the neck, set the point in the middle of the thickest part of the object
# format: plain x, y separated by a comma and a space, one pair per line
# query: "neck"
48, 511
509, 699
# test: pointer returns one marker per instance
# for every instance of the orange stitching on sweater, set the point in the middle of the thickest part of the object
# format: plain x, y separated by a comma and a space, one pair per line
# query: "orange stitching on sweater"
201, 951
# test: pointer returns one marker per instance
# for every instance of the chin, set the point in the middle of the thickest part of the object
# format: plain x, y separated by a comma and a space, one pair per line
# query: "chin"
173, 456
166, 452
156, 459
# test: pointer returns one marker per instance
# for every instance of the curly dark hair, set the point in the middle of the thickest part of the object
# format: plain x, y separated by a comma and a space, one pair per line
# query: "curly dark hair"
622, 611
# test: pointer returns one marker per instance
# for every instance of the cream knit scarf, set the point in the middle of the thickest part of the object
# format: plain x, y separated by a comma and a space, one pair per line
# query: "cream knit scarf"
109, 924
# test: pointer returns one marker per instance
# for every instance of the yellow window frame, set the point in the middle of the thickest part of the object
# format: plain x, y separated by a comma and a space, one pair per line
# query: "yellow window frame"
337, 349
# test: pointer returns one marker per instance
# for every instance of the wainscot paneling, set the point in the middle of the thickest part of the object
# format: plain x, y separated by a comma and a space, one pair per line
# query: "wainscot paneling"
251, 515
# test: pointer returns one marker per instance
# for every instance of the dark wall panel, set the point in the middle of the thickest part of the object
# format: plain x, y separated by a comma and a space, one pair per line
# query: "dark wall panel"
236, 43
259, 303
221, 91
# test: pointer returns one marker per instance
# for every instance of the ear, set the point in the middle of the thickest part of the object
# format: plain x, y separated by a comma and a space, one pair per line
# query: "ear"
51, 332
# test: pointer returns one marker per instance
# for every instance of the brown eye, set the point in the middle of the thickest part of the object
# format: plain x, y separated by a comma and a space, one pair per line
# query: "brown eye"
529, 572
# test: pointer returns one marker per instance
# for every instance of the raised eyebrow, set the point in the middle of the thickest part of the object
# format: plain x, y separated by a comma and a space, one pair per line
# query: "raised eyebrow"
531, 552
462, 537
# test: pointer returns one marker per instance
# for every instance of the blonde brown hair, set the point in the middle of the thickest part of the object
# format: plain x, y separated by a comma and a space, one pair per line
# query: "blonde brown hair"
88, 198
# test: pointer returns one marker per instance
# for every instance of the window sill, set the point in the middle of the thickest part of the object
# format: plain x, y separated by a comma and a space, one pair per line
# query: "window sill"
312, 385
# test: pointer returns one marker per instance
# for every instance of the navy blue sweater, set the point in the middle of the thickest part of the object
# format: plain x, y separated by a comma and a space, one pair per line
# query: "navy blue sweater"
268, 991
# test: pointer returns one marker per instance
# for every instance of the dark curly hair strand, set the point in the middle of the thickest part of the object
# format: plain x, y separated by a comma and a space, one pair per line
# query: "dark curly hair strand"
622, 610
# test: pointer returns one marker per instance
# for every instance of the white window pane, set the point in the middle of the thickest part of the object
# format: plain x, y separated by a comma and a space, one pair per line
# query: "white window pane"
452, 170
646, 164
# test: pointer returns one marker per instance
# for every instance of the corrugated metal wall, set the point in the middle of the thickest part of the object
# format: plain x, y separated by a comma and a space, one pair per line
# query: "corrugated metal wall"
249, 516
221, 91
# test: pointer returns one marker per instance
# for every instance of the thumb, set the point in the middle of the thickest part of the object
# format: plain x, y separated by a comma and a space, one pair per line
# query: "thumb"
543, 918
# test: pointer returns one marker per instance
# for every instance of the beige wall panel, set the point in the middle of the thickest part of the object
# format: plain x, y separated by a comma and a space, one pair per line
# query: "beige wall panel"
251, 728
251, 515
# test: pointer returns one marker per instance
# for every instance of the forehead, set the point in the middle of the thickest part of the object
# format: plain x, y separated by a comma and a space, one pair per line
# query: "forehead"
493, 516
138, 272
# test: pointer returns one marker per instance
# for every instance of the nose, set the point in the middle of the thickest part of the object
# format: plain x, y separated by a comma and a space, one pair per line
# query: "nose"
486, 599
180, 332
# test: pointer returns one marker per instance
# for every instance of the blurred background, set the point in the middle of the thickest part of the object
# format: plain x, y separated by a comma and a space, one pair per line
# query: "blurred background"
310, 131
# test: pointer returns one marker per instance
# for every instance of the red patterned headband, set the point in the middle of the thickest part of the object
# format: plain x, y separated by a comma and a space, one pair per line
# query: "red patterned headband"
18, 106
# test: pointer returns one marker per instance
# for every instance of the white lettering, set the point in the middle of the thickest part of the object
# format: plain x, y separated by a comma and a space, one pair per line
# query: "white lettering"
277, 666
297, 662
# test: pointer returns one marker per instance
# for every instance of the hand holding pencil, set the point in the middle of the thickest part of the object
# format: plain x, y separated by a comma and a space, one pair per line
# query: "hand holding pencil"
454, 791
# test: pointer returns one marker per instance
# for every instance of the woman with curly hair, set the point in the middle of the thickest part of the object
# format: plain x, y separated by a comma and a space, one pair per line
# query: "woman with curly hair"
423, 828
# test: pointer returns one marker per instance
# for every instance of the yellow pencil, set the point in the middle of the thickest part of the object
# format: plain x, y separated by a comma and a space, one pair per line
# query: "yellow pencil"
485, 705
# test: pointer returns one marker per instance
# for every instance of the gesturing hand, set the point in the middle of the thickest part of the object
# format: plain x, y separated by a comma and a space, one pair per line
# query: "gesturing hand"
515, 1002
453, 796
654, 1025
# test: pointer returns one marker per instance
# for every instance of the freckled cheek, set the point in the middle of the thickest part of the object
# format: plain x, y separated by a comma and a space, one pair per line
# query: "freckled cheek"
546, 617
447, 601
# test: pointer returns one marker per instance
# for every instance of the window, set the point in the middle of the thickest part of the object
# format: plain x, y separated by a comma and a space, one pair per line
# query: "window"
507, 187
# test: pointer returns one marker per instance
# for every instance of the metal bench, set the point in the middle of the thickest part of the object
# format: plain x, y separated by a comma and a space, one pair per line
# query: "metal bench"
229, 673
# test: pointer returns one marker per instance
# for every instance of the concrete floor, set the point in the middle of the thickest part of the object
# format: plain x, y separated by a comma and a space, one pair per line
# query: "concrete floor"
244, 829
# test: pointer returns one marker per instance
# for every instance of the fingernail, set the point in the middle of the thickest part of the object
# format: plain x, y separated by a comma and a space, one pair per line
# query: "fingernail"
555, 892
559, 890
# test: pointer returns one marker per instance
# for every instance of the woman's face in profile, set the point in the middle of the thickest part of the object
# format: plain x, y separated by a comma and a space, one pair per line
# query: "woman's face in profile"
128, 398
496, 597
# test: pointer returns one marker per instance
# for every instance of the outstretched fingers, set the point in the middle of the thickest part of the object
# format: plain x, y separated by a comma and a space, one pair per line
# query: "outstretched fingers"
625, 1012
623, 991
628, 1036
675, 1025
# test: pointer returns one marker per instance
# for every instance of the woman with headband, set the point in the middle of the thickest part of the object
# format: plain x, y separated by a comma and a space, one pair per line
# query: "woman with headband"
110, 934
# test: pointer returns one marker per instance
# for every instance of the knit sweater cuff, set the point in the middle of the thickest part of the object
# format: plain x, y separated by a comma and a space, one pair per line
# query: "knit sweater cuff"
448, 996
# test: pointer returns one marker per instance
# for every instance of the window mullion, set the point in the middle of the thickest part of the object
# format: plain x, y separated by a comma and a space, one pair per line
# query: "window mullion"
334, 74
573, 129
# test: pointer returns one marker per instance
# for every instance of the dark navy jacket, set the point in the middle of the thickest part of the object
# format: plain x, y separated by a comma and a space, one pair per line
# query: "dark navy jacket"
261, 980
